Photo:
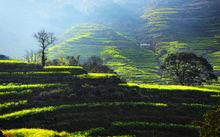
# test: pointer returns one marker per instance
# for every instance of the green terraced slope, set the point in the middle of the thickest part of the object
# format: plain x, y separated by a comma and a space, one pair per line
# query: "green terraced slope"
100, 104
86, 40
118, 51
191, 25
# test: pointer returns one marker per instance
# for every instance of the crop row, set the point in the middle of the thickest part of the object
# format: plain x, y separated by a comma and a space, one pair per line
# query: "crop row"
174, 87
75, 70
5, 88
144, 125
12, 104
97, 75
32, 111
34, 132
136, 127
19, 66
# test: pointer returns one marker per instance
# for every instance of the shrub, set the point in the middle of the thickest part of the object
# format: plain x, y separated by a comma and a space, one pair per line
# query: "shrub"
211, 125
95, 65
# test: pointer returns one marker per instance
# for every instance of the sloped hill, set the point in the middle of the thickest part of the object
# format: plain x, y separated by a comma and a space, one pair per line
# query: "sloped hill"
119, 51
191, 25
92, 105
86, 40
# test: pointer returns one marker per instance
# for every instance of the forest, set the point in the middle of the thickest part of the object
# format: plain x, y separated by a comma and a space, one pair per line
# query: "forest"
110, 68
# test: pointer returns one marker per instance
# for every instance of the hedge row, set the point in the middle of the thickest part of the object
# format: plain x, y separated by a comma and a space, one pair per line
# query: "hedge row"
75, 70
18, 66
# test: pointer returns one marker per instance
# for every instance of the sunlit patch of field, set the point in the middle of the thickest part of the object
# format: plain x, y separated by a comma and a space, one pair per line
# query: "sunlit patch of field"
14, 87
32, 111
36, 132
97, 75
133, 67
24, 132
206, 88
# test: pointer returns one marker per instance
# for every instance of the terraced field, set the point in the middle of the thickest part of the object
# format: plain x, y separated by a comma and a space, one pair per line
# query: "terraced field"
191, 26
119, 51
132, 63
126, 57
99, 105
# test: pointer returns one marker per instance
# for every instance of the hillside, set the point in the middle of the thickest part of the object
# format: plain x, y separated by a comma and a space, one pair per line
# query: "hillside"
87, 40
48, 101
119, 51
191, 25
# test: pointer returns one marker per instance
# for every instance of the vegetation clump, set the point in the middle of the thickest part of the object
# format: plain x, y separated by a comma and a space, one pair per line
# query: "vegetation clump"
96, 65
188, 69
210, 127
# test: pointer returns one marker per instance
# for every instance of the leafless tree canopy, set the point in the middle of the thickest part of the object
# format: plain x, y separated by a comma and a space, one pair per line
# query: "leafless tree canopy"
45, 39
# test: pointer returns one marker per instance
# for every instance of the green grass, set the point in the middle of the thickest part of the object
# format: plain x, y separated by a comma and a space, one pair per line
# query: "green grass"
95, 132
173, 87
165, 48
35, 73
214, 87
28, 86
83, 38
36, 132
12, 104
17, 66
132, 63
97, 75
26, 112
24, 132
11, 93
63, 67
75, 70
80, 36
215, 96
158, 18
13, 62
197, 105
146, 125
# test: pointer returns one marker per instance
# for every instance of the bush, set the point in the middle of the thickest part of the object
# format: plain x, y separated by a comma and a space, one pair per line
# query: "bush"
211, 125
95, 65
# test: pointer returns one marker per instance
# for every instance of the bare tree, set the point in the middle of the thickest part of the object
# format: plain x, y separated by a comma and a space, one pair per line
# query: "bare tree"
45, 39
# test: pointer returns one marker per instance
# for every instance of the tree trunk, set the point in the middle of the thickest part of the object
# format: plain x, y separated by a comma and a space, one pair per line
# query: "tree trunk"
43, 58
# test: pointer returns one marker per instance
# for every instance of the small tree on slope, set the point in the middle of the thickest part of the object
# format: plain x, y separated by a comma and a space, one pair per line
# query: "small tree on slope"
187, 69
45, 39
